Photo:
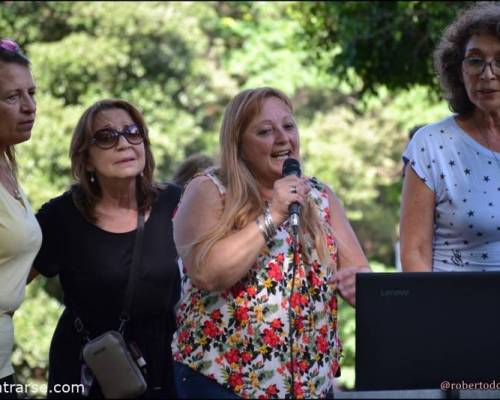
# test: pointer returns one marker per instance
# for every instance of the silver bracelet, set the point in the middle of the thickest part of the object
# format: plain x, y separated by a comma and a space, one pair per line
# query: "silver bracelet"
269, 224
262, 229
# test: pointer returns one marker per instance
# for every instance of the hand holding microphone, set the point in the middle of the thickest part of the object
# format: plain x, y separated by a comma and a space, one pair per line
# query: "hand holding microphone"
289, 194
292, 167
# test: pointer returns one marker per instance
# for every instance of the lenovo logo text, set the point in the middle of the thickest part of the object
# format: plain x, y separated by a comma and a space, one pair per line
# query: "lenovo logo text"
394, 292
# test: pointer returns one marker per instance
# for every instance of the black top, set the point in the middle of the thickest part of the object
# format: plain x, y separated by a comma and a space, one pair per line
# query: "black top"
93, 267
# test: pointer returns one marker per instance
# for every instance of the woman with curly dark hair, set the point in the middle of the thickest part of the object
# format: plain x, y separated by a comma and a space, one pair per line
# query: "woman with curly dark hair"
450, 218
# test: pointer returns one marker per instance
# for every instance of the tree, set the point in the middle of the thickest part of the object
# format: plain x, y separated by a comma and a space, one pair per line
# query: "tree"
385, 42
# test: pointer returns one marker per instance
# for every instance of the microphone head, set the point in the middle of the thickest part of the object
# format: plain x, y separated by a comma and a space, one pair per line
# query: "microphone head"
291, 167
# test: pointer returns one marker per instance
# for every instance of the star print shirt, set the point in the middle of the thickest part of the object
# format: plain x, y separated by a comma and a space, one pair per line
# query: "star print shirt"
465, 178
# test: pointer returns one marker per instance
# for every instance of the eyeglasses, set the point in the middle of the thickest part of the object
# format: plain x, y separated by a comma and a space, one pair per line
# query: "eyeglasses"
476, 65
9, 45
107, 138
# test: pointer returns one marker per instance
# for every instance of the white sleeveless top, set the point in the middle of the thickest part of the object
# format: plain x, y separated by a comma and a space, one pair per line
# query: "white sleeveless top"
20, 240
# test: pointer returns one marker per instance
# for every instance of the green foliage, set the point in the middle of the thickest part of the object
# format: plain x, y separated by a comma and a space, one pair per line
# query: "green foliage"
34, 325
385, 42
155, 55
260, 43
45, 162
34, 21
359, 156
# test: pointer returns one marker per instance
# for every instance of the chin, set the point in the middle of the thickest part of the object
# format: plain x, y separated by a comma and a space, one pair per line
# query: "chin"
130, 175
24, 137
488, 105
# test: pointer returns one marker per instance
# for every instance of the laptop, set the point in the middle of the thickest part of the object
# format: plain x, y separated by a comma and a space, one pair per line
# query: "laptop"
417, 330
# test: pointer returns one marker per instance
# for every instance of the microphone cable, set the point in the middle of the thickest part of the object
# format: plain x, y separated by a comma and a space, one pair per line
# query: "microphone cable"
291, 327
291, 166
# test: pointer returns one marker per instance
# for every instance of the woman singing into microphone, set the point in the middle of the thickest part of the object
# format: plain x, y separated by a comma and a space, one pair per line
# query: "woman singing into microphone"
250, 324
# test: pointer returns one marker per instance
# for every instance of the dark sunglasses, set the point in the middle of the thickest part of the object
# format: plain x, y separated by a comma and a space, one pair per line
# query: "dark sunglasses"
9, 45
107, 138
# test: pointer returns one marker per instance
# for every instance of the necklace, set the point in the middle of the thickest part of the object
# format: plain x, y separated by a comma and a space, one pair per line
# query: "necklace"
485, 137
9, 175
15, 186
15, 189
17, 194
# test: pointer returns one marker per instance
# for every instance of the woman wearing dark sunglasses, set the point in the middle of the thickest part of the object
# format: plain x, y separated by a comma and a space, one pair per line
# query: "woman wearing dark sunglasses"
89, 236
20, 235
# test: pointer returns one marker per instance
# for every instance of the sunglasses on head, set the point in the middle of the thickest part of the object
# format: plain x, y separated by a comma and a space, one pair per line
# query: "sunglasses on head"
107, 138
9, 45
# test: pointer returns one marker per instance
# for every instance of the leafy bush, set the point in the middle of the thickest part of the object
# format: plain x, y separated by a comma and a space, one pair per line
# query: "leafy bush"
34, 324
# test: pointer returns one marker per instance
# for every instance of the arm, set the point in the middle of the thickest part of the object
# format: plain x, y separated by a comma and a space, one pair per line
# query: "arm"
32, 275
48, 261
351, 256
416, 227
231, 257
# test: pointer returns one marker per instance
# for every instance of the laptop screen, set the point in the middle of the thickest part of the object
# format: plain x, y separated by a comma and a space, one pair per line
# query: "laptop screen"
417, 330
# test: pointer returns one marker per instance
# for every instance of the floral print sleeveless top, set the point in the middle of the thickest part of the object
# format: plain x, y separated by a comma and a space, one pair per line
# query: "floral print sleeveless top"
240, 337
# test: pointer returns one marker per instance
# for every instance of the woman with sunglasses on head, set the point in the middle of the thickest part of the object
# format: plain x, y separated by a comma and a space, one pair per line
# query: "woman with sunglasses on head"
450, 219
20, 235
89, 236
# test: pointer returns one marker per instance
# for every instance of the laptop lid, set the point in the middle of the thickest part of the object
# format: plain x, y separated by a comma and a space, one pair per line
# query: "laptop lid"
416, 330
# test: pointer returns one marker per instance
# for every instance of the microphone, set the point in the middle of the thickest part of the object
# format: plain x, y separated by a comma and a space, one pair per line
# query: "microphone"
292, 167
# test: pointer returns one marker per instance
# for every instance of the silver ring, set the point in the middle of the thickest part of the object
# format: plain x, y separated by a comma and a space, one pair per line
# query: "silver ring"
293, 189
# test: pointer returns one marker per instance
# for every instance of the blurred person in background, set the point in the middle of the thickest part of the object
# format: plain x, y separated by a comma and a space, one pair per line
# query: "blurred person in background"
191, 166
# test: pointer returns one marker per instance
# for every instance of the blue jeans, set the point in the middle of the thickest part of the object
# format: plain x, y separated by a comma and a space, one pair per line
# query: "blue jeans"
193, 385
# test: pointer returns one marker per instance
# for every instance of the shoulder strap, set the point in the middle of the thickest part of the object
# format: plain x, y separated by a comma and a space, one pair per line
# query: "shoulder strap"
212, 173
136, 259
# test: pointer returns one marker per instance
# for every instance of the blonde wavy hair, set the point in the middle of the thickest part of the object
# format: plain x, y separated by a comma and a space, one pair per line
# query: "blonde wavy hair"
243, 202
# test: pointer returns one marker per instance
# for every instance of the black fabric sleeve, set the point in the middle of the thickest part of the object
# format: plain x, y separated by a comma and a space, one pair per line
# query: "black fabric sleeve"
47, 262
